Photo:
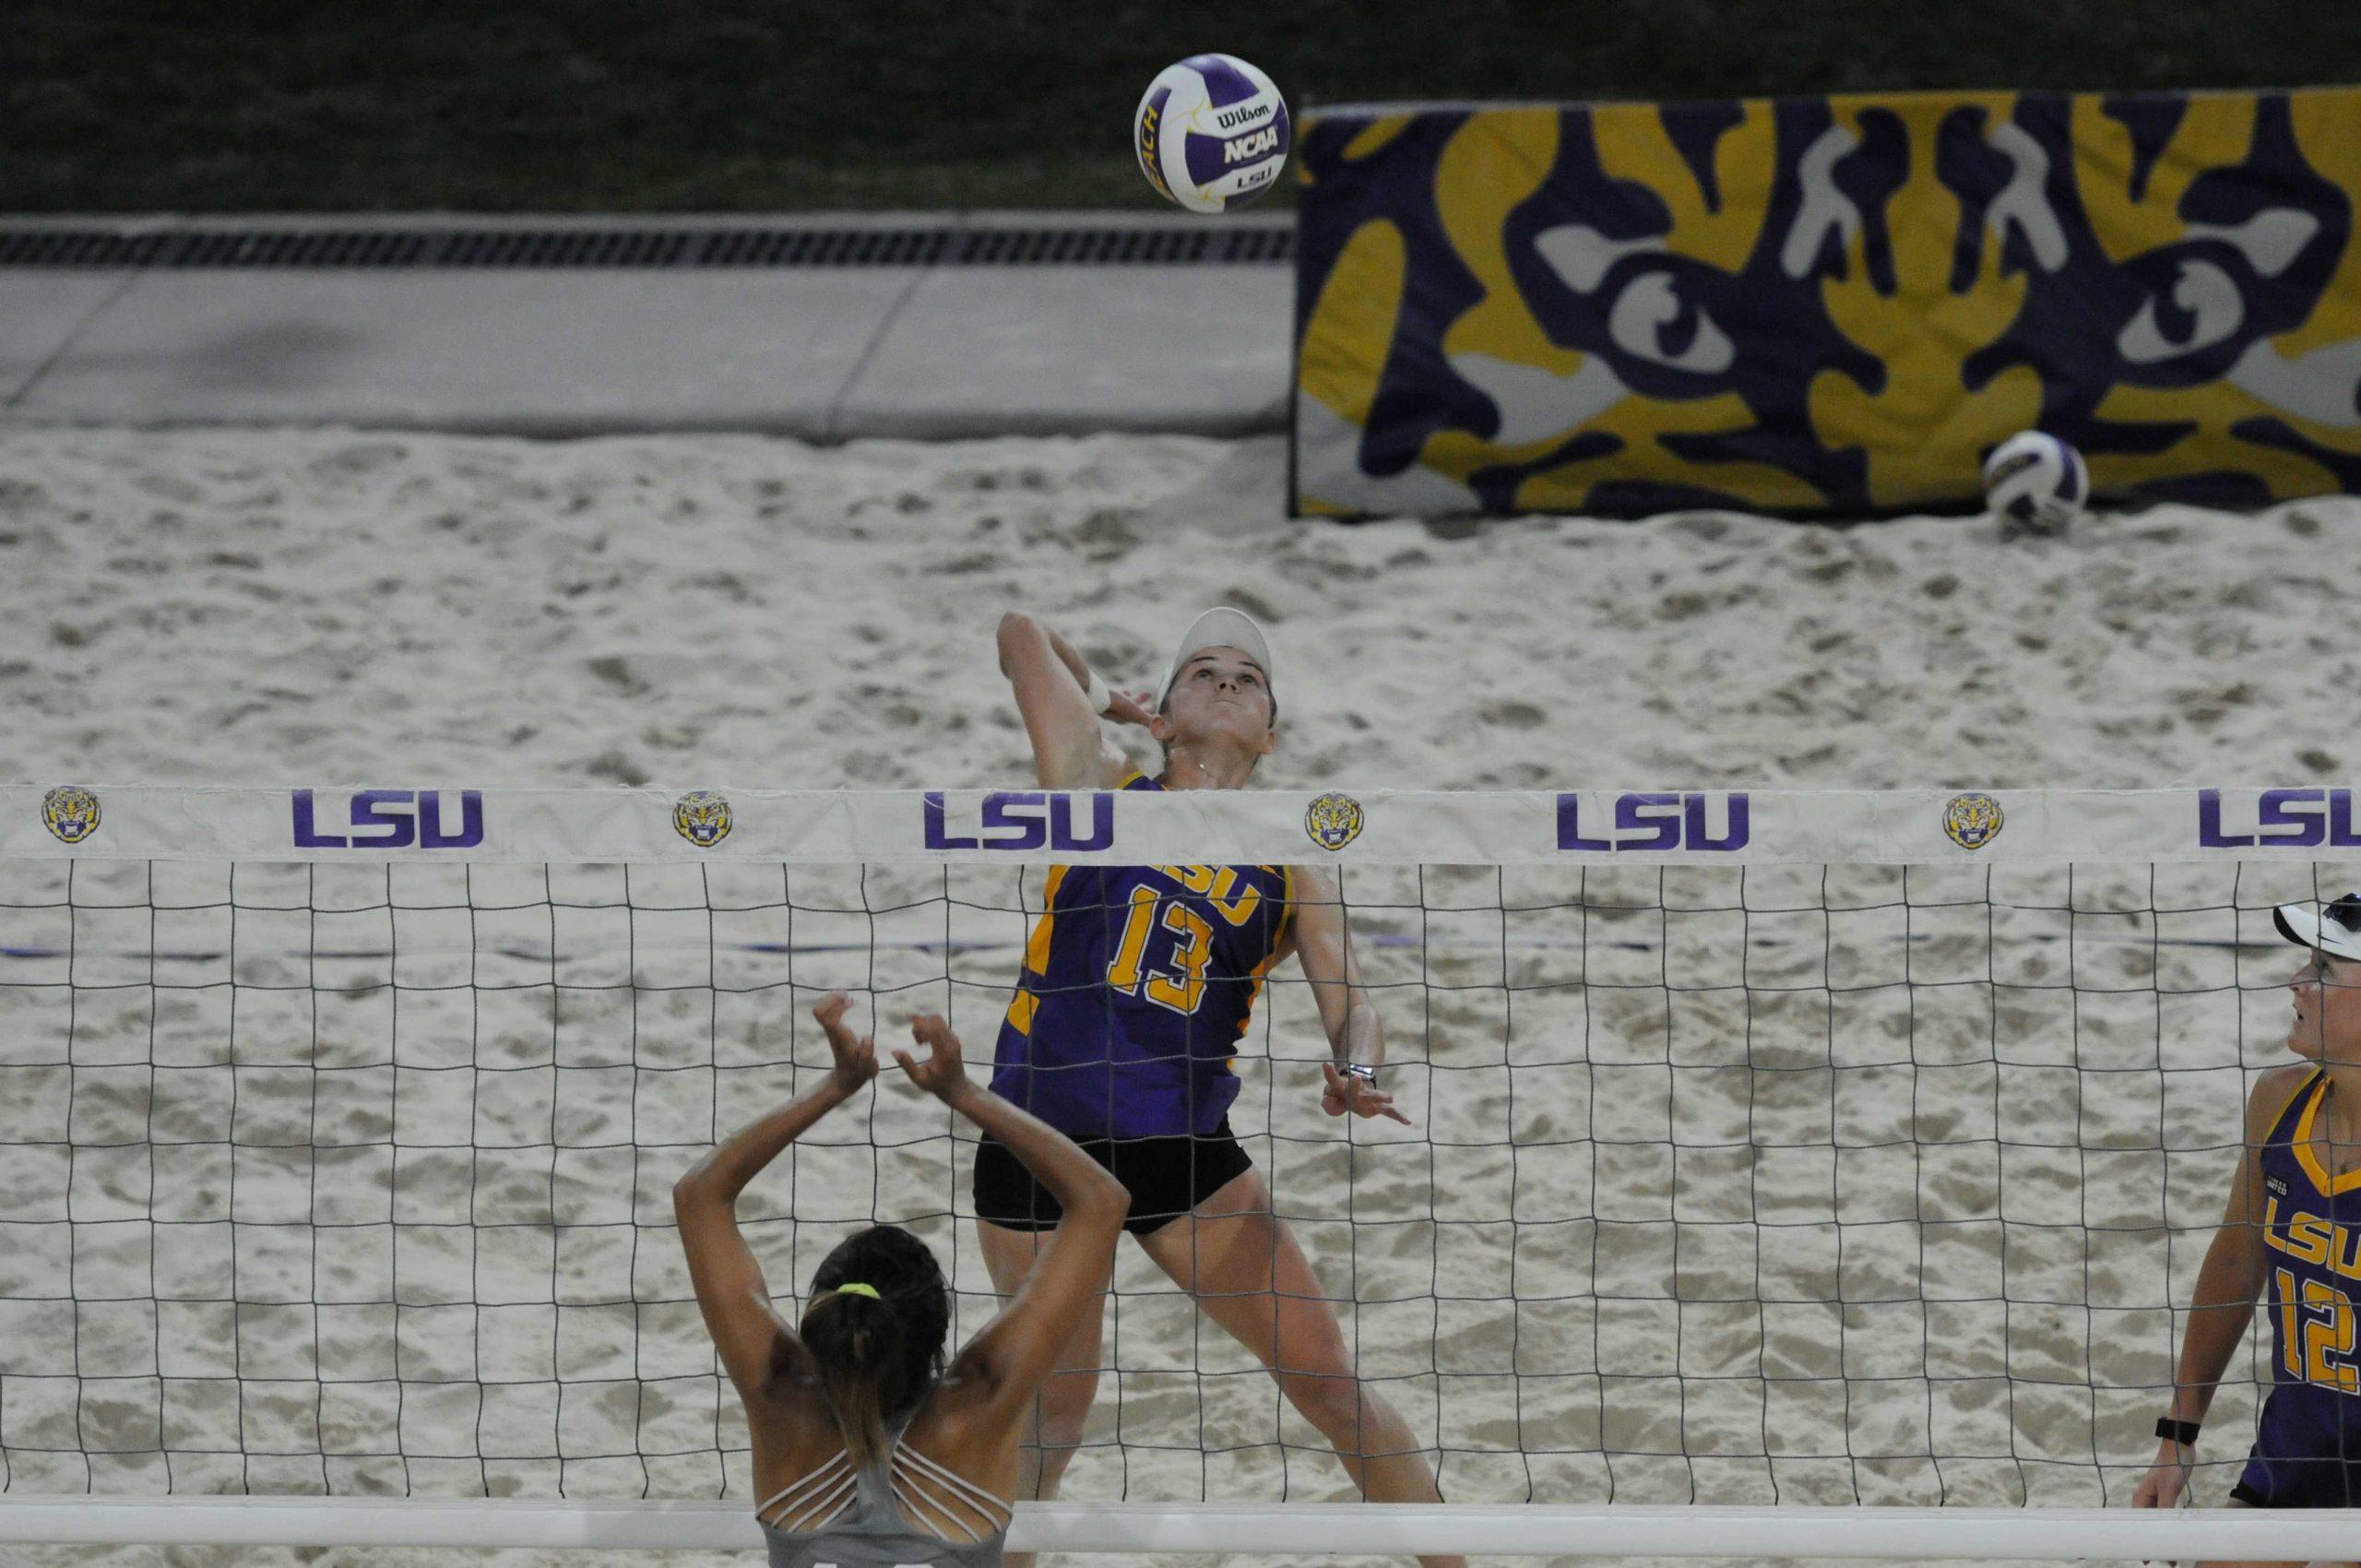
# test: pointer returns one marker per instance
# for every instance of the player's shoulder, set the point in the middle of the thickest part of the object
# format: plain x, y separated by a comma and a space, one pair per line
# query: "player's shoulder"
796, 1419
2275, 1087
946, 1426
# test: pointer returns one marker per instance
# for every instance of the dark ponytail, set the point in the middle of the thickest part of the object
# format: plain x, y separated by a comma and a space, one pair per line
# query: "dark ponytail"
876, 1355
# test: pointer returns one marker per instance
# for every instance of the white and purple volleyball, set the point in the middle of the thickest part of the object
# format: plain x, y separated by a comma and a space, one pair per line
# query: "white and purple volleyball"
2036, 483
1212, 132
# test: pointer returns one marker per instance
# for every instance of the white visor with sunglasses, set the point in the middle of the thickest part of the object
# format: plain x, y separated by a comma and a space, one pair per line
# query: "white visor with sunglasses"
2333, 929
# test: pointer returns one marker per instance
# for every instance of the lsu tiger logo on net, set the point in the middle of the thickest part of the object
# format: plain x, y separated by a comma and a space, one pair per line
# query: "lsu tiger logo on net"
703, 817
70, 812
1972, 820
1333, 820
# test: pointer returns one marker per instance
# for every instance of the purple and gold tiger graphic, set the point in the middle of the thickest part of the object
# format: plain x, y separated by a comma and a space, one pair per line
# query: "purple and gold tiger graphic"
1826, 306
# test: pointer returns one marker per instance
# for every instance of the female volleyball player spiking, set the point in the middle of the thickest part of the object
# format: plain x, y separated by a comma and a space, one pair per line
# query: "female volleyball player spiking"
1138, 984
866, 1451
2292, 1234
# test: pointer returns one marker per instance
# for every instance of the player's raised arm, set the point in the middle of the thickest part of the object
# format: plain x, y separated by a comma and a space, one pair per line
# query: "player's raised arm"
2223, 1302
1011, 1355
1056, 694
1356, 1039
731, 1292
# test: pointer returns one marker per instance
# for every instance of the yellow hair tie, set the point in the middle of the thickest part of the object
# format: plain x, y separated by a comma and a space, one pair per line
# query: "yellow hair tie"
868, 1291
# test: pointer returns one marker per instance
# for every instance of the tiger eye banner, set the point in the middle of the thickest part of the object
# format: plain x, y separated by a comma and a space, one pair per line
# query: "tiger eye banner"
1825, 305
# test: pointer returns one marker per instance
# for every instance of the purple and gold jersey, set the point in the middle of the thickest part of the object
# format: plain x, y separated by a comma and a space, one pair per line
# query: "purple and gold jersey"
1138, 983
2307, 1447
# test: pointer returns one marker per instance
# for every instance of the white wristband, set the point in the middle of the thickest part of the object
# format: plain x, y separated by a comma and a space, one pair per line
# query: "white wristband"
1095, 692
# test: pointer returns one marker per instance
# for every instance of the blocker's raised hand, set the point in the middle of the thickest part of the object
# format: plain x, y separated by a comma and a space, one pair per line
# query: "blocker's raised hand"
856, 1055
945, 1073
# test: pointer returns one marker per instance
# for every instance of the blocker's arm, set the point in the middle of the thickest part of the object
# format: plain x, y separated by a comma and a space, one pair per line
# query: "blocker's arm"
731, 1292
1010, 1356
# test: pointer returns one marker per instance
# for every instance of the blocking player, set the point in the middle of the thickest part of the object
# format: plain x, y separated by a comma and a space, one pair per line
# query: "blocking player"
866, 1451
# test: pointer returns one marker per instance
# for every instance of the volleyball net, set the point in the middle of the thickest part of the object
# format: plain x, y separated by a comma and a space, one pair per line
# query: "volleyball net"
1769, 1151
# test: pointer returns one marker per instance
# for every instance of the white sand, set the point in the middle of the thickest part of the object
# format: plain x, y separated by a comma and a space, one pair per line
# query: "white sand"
261, 606
321, 607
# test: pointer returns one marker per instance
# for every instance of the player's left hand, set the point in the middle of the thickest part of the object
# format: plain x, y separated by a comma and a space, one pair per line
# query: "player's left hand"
1358, 1095
944, 1072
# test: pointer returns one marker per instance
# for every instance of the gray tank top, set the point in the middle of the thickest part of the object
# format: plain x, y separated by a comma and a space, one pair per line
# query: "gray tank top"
905, 1510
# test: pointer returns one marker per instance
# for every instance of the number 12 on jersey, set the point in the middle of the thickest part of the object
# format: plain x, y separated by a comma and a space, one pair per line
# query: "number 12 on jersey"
2316, 1330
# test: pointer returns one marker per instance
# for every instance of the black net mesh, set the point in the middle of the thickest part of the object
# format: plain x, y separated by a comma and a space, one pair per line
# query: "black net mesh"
1806, 1185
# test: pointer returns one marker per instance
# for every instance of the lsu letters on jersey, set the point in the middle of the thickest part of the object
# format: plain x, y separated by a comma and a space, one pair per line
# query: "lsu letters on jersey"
1138, 983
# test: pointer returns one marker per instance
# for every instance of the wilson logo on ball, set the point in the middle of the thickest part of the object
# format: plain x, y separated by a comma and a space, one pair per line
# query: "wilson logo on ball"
1212, 132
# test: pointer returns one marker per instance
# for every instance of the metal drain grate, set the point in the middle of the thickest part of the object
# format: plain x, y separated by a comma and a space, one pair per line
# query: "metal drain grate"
362, 246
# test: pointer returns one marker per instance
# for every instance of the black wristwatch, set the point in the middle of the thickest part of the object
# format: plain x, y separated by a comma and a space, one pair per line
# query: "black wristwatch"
2182, 1432
1361, 1070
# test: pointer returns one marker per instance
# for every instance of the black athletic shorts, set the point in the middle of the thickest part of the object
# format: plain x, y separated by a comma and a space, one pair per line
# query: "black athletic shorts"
1166, 1178
2299, 1483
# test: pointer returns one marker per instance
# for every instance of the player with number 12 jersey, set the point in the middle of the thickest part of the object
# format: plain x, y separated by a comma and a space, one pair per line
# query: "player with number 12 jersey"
2292, 1237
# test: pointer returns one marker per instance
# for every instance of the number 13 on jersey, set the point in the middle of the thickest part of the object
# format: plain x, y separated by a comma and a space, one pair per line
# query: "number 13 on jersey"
1182, 985
1179, 983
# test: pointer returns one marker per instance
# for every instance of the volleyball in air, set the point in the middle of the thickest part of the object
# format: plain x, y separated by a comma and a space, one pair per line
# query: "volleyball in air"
2036, 483
1212, 132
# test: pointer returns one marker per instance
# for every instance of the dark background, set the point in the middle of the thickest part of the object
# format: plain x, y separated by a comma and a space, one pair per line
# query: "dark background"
702, 105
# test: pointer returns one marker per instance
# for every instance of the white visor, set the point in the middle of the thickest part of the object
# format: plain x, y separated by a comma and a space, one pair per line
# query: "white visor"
1219, 628
2335, 929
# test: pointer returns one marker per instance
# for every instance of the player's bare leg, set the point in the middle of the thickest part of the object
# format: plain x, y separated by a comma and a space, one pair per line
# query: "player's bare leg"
1247, 1273
1062, 1408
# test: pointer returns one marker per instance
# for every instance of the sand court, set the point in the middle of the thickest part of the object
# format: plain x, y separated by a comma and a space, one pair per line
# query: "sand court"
1869, 1177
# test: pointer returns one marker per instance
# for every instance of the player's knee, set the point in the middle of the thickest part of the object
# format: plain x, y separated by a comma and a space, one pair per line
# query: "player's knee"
1062, 1435
1064, 1404
1330, 1401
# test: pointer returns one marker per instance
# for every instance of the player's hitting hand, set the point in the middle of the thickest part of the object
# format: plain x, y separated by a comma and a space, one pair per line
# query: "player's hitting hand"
944, 1073
856, 1056
1358, 1095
